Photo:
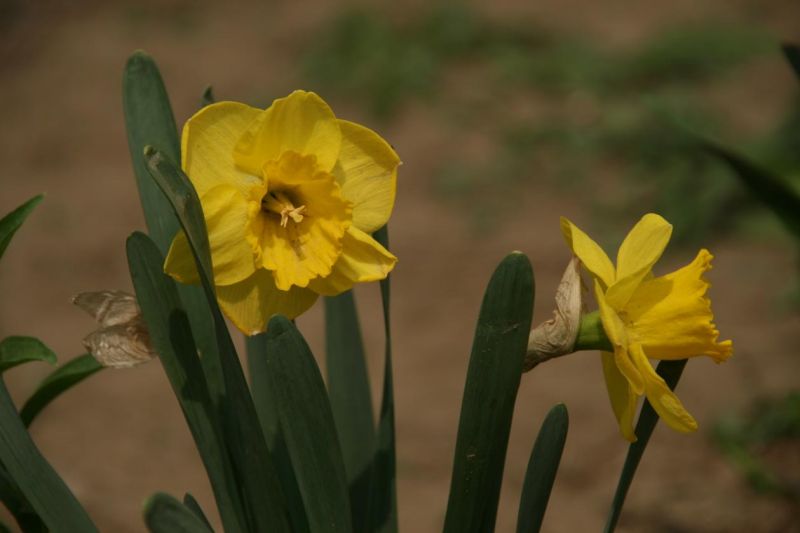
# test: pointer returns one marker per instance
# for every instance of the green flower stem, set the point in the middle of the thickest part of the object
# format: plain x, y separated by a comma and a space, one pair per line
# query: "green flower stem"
591, 335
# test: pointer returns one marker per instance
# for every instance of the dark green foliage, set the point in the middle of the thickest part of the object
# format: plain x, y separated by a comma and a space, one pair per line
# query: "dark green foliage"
41, 486
671, 372
350, 397
59, 381
10, 223
494, 374
307, 422
17, 350
165, 514
194, 506
261, 492
542, 469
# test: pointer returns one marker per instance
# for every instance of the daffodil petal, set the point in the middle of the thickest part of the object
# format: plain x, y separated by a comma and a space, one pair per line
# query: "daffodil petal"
179, 263
363, 259
617, 334
227, 216
250, 303
661, 398
207, 146
589, 252
638, 253
367, 173
623, 400
672, 314
301, 122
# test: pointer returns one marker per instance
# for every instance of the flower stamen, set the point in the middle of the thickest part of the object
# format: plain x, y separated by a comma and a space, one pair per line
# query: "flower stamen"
280, 204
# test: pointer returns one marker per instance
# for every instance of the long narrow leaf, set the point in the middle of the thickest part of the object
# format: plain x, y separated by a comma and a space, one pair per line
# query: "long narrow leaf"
10, 223
39, 483
381, 482
58, 382
792, 53
495, 370
191, 503
350, 397
542, 469
261, 389
671, 372
307, 422
17, 350
18, 506
149, 121
777, 195
165, 514
253, 465
171, 337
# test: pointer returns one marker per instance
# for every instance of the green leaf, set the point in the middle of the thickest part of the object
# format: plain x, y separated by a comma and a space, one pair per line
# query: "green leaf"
261, 389
165, 514
46, 492
17, 350
307, 423
495, 370
58, 382
671, 372
542, 469
350, 397
778, 196
10, 223
149, 121
208, 97
792, 53
18, 506
191, 503
382, 484
255, 471
171, 337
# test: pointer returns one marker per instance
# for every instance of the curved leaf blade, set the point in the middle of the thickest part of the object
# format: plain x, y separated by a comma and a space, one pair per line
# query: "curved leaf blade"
493, 377
307, 423
165, 514
10, 223
16, 350
542, 469
59, 381
671, 372
42, 487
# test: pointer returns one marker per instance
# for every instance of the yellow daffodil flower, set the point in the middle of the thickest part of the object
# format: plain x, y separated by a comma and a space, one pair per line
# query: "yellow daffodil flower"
290, 196
667, 317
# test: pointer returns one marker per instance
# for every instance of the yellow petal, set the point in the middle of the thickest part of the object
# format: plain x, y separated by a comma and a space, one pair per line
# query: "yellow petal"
661, 398
671, 315
207, 146
638, 253
618, 335
180, 261
589, 252
227, 217
367, 173
623, 400
301, 122
250, 303
363, 259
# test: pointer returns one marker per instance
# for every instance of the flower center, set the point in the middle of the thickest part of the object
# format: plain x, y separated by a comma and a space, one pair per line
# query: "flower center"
278, 202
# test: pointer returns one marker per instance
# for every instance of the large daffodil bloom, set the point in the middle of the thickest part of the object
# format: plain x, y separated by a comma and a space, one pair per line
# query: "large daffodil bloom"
290, 196
667, 317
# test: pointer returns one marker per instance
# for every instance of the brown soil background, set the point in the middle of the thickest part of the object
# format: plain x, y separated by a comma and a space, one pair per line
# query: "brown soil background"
120, 436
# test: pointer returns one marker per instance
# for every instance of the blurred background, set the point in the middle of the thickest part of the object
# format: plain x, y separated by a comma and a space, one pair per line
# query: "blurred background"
506, 116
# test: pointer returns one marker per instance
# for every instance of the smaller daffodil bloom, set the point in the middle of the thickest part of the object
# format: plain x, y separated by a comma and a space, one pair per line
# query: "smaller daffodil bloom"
290, 196
667, 317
